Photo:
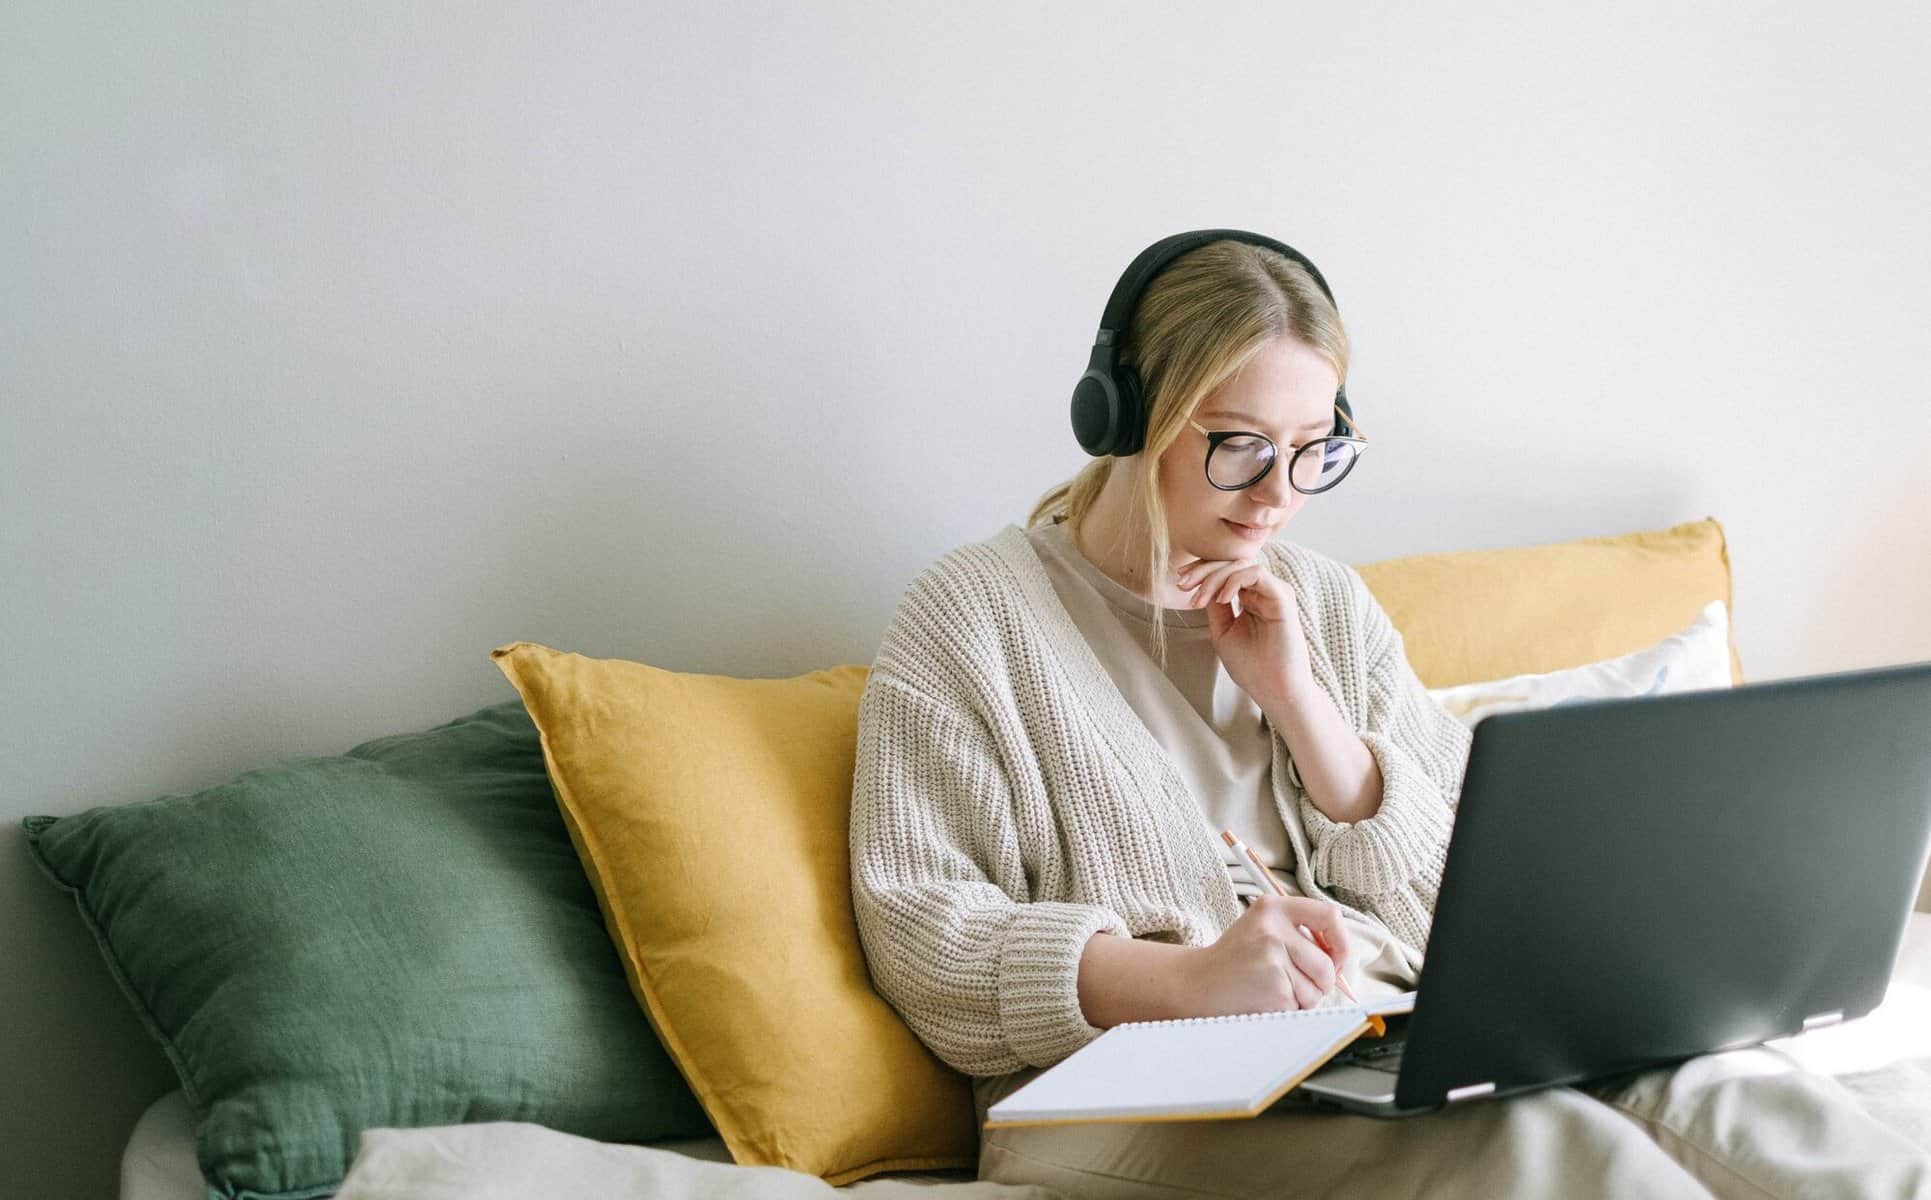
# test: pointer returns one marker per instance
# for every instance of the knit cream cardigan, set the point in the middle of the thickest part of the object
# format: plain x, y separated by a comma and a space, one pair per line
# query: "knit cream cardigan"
1007, 802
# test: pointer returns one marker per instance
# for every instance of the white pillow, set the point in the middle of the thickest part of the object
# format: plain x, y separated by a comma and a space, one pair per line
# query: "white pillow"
1695, 658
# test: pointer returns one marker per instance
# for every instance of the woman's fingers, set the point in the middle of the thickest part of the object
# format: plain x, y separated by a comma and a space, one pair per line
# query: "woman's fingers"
1331, 932
1260, 595
1336, 945
1313, 963
1210, 583
1221, 584
1235, 581
1203, 578
1307, 994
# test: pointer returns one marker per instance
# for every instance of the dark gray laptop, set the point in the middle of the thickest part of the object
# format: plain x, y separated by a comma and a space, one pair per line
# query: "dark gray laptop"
1636, 881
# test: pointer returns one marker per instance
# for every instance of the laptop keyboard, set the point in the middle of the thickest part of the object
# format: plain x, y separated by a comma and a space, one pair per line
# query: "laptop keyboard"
1383, 1055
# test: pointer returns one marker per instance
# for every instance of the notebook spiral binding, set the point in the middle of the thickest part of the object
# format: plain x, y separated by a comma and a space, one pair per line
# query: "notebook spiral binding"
1259, 1016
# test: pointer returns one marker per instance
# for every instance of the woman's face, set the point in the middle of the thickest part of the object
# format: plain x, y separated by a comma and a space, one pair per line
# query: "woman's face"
1285, 391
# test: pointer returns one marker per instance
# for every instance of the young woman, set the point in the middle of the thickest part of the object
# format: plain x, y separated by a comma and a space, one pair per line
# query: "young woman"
1061, 719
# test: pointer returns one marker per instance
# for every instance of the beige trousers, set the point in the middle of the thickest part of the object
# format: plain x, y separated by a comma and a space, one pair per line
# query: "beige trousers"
1749, 1123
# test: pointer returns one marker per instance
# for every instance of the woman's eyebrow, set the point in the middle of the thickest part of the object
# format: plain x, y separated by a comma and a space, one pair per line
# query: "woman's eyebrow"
1319, 425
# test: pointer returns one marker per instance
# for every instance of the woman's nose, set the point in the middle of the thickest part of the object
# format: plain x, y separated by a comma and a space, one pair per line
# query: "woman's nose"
1274, 489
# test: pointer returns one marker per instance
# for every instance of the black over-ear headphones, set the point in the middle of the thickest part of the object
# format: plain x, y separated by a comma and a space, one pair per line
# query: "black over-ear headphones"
1109, 407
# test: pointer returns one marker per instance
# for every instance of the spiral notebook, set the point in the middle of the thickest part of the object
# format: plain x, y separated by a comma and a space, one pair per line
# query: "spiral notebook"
1193, 1069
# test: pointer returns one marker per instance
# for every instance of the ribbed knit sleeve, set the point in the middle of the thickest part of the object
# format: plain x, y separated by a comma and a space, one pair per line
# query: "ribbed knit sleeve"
986, 977
1391, 863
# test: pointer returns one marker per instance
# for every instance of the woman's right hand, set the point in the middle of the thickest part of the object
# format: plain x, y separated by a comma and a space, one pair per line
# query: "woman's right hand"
1264, 963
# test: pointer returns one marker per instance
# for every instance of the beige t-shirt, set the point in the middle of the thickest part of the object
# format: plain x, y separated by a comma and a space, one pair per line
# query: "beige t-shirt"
1216, 734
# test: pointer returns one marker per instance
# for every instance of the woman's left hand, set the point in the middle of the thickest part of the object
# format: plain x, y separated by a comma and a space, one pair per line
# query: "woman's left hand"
1264, 648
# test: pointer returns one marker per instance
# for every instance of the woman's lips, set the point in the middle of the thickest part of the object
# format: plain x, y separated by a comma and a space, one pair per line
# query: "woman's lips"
1247, 531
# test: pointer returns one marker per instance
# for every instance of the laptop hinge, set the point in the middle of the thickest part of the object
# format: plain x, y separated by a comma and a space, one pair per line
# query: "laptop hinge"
1822, 1019
1470, 1091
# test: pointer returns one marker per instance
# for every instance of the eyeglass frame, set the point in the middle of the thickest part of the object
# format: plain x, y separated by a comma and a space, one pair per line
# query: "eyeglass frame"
1214, 439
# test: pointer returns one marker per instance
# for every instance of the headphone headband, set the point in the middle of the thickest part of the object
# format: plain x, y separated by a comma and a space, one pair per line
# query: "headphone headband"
1109, 407
1152, 260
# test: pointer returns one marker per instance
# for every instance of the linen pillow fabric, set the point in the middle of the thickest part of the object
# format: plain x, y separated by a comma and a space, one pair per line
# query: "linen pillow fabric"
509, 1160
1693, 658
399, 936
712, 815
1472, 615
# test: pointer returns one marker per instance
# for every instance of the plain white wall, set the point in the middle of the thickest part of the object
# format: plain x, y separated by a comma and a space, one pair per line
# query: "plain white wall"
339, 344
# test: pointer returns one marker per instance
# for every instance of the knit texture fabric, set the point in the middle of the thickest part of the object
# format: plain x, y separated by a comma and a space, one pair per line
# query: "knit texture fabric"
1008, 803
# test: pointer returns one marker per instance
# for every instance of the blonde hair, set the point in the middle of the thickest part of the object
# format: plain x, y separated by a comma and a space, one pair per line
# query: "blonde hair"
1204, 316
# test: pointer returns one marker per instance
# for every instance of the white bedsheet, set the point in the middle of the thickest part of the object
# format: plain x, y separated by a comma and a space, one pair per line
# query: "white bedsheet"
508, 1159
1885, 1057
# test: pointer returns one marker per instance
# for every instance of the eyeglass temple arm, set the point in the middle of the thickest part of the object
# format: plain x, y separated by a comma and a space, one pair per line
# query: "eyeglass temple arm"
1352, 423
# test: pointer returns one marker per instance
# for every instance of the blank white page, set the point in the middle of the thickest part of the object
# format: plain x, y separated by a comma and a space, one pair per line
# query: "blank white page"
1195, 1068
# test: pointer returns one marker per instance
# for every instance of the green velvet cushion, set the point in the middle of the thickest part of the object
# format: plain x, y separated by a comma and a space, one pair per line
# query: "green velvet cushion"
400, 936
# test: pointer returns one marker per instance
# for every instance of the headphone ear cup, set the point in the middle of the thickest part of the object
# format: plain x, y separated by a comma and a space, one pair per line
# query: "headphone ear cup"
1342, 428
1096, 412
1133, 412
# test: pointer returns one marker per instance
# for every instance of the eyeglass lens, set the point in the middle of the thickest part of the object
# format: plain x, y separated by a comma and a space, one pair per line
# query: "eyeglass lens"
1239, 461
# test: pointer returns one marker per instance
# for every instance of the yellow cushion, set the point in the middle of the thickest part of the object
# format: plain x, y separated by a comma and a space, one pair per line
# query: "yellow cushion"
711, 815
1471, 615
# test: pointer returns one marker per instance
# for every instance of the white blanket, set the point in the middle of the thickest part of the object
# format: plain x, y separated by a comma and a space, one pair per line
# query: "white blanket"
510, 1160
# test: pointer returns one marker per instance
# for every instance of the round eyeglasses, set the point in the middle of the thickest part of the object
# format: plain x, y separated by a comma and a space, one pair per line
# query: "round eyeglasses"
1241, 458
